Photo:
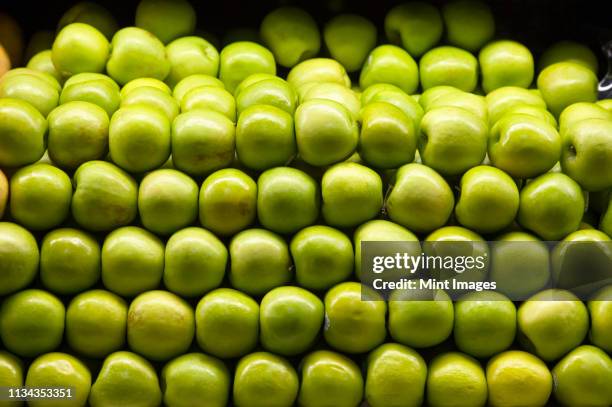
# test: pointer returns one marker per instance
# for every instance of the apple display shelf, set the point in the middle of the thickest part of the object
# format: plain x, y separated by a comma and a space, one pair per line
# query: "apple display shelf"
317, 204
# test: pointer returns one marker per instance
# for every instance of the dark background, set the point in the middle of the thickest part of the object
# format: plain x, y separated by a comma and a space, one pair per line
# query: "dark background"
536, 23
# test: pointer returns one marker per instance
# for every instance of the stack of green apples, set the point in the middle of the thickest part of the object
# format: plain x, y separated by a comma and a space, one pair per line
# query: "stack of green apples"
183, 226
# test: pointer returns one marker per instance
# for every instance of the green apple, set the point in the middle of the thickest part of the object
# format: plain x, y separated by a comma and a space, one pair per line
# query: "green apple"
166, 19
600, 309
59, 370
353, 325
202, 142
31, 322
96, 323
151, 97
469, 24
189, 56
18, 258
396, 376
69, 261
580, 111
391, 94
485, 323
167, 201
583, 378
552, 323
330, 379
270, 91
589, 249
488, 199
318, 70
78, 132
587, 153
163, 316
11, 374
260, 261
80, 48
519, 265
258, 77
265, 137
241, 59
144, 83
287, 200
457, 380
196, 378
43, 62
524, 146
517, 378
228, 202
551, 205
135, 53
380, 230
474, 103
566, 83
420, 319
335, 92
420, 199
40, 196
263, 379
449, 66
139, 138
105, 196
38, 89
533, 111
503, 100
349, 39
290, 319
416, 26
90, 13
212, 98
606, 104
432, 94
125, 379
322, 256
94, 88
452, 140
505, 63
227, 323
195, 262
291, 34
387, 139
351, 194
192, 82
569, 51
4, 192
390, 64
325, 131
132, 261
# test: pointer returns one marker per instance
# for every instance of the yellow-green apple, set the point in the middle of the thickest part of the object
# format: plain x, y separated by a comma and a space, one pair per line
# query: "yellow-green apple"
503, 100
189, 56
416, 26
469, 24
391, 94
209, 98
455, 379
270, 91
166, 19
565, 83
40, 90
90, 13
135, 53
322, 257
452, 140
94, 88
80, 48
552, 322
241, 59
569, 51
335, 92
552, 206
318, 70
203, 141
505, 63
349, 39
22, 133
291, 34
19, 257
449, 66
192, 82
154, 98
390, 64
43, 62
524, 146
600, 309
